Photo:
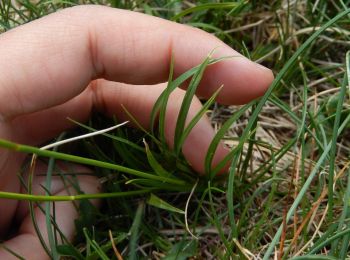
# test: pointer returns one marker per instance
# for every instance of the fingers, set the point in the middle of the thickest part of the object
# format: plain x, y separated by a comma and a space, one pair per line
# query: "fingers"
26, 243
108, 97
51, 60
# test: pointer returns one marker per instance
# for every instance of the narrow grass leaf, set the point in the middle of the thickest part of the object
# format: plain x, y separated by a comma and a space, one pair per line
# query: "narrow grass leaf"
276, 101
50, 233
138, 125
135, 231
216, 221
32, 209
218, 137
157, 167
95, 246
38, 198
159, 104
69, 250
164, 104
344, 244
186, 103
82, 160
329, 241
314, 257
208, 6
332, 153
11, 252
157, 202
229, 194
197, 117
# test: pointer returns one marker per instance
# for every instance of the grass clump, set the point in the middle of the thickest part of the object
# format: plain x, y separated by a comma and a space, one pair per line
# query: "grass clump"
287, 194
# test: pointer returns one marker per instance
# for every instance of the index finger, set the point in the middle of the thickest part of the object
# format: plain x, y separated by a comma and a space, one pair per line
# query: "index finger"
51, 60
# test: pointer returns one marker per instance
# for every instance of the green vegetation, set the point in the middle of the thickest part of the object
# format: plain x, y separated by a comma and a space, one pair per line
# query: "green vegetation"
288, 190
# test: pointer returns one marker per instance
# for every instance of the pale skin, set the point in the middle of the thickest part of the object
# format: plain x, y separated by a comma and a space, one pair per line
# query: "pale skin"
68, 63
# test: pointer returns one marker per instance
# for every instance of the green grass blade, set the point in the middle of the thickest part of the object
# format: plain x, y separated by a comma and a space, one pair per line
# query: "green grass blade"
197, 117
344, 215
95, 246
32, 209
186, 103
157, 202
218, 137
229, 194
82, 160
276, 101
248, 156
69, 250
138, 125
329, 241
162, 111
157, 167
332, 153
208, 6
134, 231
314, 257
159, 104
38, 198
51, 237
10, 251
216, 221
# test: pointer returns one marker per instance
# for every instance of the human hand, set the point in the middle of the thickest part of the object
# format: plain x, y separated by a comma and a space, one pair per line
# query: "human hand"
70, 62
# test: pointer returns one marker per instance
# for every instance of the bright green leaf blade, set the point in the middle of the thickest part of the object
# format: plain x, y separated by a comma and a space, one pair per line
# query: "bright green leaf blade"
134, 231
164, 104
159, 203
219, 136
95, 246
197, 117
171, 87
73, 158
158, 169
69, 250
186, 103
208, 6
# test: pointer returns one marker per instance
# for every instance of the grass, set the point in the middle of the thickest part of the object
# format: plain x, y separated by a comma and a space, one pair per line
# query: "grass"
287, 194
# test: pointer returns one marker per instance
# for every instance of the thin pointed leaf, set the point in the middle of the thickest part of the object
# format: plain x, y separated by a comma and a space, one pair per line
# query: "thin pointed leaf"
73, 158
134, 231
162, 111
186, 103
95, 246
159, 203
158, 169
208, 6
197, 117
176, 83
219, 136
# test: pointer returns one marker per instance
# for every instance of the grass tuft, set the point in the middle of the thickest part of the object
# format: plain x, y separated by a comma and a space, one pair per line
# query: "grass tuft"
288, 190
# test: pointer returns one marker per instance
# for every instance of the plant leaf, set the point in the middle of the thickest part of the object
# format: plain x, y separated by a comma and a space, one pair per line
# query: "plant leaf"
186, 103
208, 6
159, 203
158, 169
